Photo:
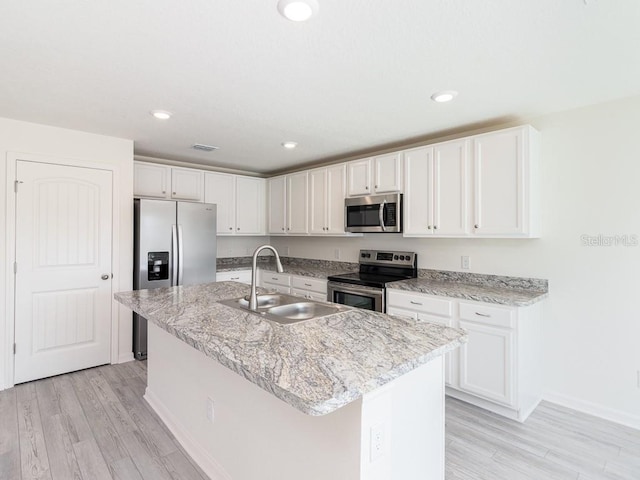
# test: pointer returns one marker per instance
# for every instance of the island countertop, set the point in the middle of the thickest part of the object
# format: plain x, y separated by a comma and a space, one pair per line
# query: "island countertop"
316, 366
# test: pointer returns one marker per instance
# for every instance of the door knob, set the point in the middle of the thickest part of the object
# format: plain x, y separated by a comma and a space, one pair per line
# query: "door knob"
105, 277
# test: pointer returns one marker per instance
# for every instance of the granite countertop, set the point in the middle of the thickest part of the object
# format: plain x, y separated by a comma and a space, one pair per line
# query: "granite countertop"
316, 366
294, 266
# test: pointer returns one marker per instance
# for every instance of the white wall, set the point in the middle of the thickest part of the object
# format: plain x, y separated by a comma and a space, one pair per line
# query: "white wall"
48, 141
232, 246
590, 185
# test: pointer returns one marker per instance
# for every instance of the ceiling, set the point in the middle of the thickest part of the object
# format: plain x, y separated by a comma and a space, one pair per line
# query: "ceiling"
356, 77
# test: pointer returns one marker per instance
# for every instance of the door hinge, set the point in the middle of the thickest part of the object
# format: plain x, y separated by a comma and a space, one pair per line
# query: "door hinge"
15, 185
15, 267
14, 348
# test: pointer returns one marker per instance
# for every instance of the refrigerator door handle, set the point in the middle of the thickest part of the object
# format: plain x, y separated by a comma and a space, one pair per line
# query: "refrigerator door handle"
180, 256
174, 255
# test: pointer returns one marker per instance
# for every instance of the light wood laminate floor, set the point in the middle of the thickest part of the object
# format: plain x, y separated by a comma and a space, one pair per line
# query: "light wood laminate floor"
94, 425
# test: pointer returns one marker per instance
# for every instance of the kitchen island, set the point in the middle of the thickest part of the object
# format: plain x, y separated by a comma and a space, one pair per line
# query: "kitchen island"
353, 395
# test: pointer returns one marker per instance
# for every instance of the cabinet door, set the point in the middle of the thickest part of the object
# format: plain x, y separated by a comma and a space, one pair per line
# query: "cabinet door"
388, 173
219, 188
187, 184
297, 203
499, 187
486, 362
450, 177
359, 177
249, 202
318, 201
151, 180
277, 202
336, 193
418, 198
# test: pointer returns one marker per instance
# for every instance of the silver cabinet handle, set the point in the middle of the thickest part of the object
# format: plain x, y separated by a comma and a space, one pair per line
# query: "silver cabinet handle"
482, 314
366, 187
476, 226
435, 227
307, 284
235, 278
180, 256
415, 303
274, 278
429, 227
105, 277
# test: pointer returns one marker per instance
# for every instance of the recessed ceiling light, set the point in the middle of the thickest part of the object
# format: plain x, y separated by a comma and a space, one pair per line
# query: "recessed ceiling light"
445, 96
161, 114
298, 10
289, 145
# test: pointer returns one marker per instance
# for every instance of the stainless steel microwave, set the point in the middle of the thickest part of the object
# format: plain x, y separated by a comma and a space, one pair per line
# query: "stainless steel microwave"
373, 214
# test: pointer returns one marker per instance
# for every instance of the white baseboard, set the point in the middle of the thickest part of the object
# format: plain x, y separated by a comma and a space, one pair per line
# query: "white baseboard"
611, 414
125, 357
199, 455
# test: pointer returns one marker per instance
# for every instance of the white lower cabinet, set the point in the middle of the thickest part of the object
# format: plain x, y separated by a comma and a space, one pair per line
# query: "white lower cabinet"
500, 366
309, 288
242, 276
275, 282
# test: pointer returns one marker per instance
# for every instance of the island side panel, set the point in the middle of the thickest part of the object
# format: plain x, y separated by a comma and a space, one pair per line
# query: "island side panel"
253, 434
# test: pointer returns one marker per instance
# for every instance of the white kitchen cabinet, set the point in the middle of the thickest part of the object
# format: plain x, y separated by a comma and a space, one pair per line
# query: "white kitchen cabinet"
505, 173
161, 181
327, 191
381, 174
150, 180
242, 276
275, 282
240, 203
436, 190
187, 184
288, 204
277, 205
499, 368
297, 203
429, 309
309, 288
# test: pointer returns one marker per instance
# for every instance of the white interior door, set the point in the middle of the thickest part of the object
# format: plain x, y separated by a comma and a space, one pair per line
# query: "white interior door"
63, 279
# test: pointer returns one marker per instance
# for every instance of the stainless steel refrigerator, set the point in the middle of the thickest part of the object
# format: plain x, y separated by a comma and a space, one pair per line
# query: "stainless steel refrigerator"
174, 244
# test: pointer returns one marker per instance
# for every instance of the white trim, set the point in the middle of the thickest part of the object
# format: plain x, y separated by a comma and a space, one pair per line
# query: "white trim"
10, 216
200, 455
584, 406
125, 357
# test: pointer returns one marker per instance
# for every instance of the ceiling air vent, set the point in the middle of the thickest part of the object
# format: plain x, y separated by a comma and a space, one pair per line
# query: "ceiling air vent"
203, 147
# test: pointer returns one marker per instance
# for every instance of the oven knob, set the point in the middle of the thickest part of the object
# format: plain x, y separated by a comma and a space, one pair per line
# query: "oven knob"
401, 257
363, 255
368, 255
395, 257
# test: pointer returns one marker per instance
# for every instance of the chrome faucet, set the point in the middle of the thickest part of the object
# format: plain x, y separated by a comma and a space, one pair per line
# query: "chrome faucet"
253, 298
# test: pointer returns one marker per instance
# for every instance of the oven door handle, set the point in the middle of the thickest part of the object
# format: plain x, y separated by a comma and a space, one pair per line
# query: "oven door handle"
355, 290
381, 215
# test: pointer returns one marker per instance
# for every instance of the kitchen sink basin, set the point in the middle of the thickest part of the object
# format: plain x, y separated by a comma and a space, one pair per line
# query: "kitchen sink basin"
286, 309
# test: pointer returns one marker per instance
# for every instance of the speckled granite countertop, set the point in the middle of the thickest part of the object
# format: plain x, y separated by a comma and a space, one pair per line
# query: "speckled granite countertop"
501, 290
316, 366
293, 266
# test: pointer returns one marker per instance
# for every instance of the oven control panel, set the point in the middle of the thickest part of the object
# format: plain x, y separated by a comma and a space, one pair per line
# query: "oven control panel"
386, 257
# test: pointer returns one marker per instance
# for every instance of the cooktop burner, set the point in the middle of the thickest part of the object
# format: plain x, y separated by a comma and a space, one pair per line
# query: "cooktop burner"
377, 268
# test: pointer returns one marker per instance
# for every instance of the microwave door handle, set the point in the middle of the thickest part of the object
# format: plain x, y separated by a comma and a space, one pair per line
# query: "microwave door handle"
381, 215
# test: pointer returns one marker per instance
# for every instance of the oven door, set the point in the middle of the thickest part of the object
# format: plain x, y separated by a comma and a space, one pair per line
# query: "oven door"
357, 296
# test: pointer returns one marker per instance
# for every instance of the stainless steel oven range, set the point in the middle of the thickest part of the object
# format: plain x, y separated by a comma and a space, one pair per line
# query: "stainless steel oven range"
366, 288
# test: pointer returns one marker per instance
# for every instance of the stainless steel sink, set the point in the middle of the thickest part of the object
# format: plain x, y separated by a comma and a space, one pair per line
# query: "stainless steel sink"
286, 309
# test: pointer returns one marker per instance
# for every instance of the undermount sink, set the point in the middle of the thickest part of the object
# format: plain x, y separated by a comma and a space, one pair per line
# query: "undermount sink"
286, 309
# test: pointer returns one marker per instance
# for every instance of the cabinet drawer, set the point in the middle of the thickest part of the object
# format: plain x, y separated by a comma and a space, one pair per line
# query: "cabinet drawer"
306, 283
488, 315
243, 276
318, 297
276, 278
421, 303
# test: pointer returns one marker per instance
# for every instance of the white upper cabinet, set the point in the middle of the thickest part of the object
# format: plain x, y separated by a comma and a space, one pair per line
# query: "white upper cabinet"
187, 184
506, 183
436, 190
297, 203
250, 206
288, 204
240, 202
387, 173
381, 174
359, 175
277, 195
327, 187
160, 181
151, 180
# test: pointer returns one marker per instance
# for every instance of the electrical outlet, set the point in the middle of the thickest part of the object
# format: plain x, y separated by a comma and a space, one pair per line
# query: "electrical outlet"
336, 254
465, 262
376, 442
210, 414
